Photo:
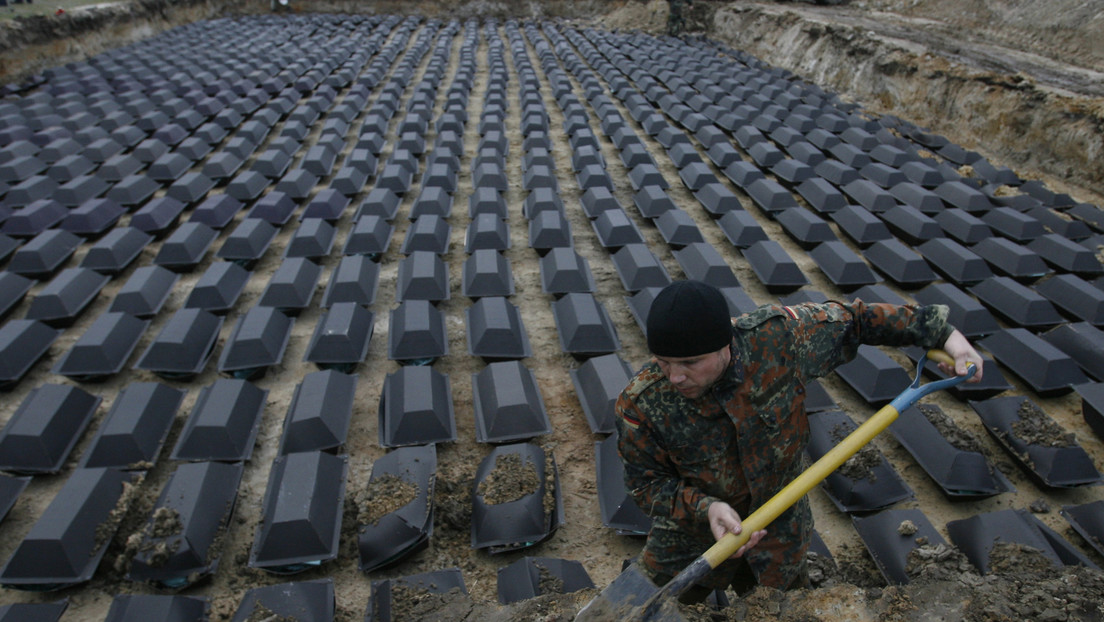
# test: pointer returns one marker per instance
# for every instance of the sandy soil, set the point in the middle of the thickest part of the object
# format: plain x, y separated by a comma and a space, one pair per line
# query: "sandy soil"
854, 591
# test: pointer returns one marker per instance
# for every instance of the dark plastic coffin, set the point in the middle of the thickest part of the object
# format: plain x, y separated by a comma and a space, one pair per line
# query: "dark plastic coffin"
135, 428
103, 348
959, 194
423, 275
319, 414
508, 404
805, 227
966, 314
22, 343
598, 199
275, 208
1052, 466
1087, 520
598, 382
256, 342
652, 201
1017, 304
435, 200
355, 279
495, 330
370, 235
302, 601
976, 537
33, 219
313, 239
217, 211
219, 287
548, 230
380, 202
416, 408
189, 518
771, 196
93, 217
615, 229
863, 227
530, 577
902, 265
1092, 406
880, 488
67, 542
66, 296
876, 376
774, 268
500, 524
430, 233
407, 529
717, 199
10, 489
1075, 296
1046, 369
382, 607
741, 228
1013, 224
638, 267
890, 549
116, 250
1082, 342
487, 273
416, 333
248, 241
297, 184
1012, 259
1066, 255
958, 472
223, 423
131, 190
678, 229
486, 200
842, 266
919, 198
45, 427
584, 326
342, 337
301, 521
292, 285
564, 271
163, 607
33, 612
962, 226
701, 261
619, 511
487, 232
958, 264
158, 215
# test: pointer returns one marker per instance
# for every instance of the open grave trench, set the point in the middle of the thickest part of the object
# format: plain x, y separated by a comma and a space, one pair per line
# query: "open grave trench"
472, 217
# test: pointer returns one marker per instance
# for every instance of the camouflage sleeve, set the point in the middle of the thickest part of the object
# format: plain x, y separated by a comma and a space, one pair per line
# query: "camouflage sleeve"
650, 477
830, 334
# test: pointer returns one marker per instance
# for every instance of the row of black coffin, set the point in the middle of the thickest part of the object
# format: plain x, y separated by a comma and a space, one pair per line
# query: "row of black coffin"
303, 509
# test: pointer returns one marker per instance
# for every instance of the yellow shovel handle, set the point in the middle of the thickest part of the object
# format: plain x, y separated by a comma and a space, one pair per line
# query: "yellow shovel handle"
802, 484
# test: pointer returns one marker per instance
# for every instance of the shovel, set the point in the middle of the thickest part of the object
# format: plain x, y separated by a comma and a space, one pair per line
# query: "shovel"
632, 596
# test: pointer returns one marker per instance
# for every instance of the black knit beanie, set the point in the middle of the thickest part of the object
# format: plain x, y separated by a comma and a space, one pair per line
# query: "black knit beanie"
688, 318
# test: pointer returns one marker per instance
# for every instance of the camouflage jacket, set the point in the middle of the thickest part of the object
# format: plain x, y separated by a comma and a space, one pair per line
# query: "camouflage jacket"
743, 440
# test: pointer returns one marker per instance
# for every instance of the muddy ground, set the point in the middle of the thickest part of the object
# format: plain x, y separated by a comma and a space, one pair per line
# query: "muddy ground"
930, 77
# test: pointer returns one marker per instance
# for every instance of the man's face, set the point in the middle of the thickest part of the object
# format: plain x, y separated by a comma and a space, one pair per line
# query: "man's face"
692, 375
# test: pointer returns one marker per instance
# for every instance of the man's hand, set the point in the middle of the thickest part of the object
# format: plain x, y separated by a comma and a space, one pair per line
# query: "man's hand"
723, 519
962, 352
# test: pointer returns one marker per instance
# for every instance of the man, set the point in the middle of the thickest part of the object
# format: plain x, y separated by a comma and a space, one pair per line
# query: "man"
715, 424
675, 20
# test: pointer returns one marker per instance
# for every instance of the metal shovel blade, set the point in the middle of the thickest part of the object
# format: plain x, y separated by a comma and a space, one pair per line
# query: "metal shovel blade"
623, 598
